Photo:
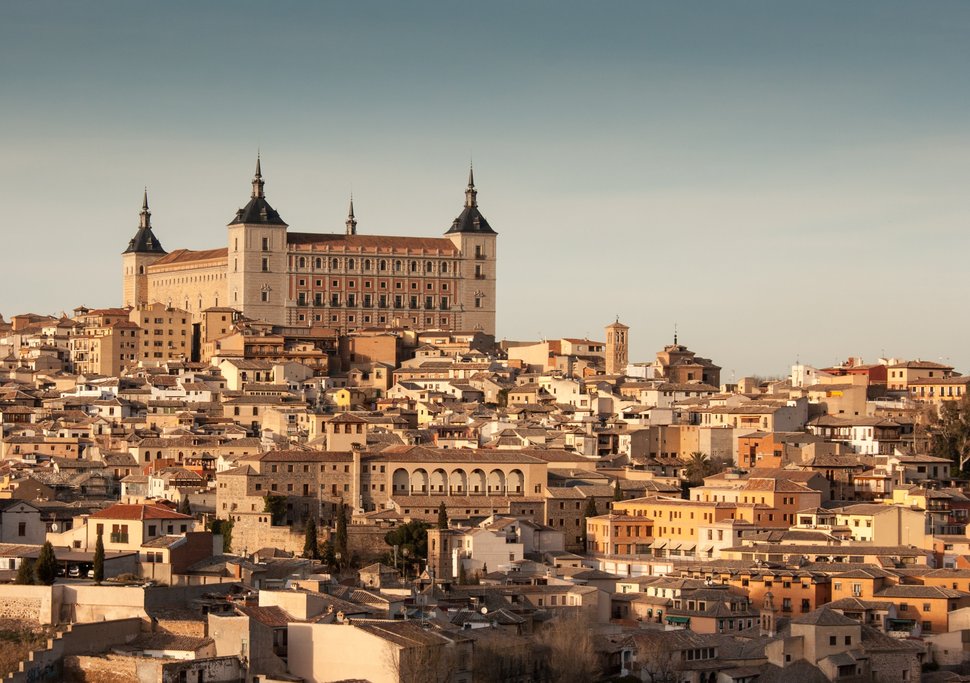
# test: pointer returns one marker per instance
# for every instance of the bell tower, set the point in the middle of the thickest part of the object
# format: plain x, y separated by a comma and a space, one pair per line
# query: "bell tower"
617, 348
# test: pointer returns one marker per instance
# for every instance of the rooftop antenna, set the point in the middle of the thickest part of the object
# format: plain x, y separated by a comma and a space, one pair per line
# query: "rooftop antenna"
675, 334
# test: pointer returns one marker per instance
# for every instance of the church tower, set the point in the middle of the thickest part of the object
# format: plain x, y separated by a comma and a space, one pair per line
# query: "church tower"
143, 250
617, 348
257, 266
476, 242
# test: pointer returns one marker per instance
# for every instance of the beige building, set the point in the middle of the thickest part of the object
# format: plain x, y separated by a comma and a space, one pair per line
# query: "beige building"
166, 333
345, 281
105, 343
617, 348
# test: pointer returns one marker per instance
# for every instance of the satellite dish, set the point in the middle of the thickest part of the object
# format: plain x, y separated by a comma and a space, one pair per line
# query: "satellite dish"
54, 526
484, 610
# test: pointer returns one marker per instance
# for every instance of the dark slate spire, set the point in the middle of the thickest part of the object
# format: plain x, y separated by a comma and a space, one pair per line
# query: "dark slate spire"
471, 219
351, 220
258, 210
144, 241
257, 181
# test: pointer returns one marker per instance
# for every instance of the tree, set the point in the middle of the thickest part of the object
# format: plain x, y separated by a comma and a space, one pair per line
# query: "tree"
502, 398
99, 559
462, 574
46, 564
276, 507
500, 657
427, 662
949, 432
566, 648
328, 555
657, 658
442, 516
25, 572
341, 553
311, 549
698, 466
617, 493
224, 527
412, 541
589, 511
184, 506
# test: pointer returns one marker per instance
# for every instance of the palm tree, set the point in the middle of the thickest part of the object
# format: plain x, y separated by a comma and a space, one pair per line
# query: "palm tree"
697, 467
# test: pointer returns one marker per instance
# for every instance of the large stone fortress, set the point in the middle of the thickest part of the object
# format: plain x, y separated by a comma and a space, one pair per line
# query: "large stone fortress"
343, 281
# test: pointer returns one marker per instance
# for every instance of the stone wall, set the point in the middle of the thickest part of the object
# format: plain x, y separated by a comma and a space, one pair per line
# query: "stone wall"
103, 669
38, 604
77, 639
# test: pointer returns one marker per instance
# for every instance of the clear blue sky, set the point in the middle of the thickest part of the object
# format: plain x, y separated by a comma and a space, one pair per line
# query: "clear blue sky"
780, 179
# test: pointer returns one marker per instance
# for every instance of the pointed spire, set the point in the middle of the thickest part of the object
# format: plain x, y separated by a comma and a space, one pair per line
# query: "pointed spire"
145, 218
675, 334
258, 180
351, 220
471, 194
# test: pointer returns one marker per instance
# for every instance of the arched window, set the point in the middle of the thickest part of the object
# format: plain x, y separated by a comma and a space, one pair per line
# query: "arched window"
350, 264
414, 266
397, 265
334, 263
366, 264
382, 265
444, 267
318, 263
428, 267
301, 263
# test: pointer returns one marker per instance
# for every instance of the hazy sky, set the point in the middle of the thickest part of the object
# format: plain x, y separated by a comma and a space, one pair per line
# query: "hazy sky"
783, 180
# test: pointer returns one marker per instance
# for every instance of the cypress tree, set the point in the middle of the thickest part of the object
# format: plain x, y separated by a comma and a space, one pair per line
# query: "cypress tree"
340, 537
25, 572
99, 559
311, 550
442, 516
46, 564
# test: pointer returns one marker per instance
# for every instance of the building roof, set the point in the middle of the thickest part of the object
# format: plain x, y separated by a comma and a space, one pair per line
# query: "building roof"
471, 219
138, 511
186, 255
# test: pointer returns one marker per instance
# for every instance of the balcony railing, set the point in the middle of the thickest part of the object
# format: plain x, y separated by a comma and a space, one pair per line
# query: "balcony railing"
119, 538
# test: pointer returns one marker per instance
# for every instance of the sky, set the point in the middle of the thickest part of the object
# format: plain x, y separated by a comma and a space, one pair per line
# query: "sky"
782, 181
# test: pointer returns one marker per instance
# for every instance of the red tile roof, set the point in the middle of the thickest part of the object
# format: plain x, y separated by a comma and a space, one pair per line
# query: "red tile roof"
139, 512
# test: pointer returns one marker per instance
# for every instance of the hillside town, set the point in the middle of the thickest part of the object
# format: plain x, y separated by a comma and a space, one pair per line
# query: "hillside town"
204, 495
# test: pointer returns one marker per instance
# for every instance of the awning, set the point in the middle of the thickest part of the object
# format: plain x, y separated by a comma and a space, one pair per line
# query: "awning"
706, 548
659, 544
678, 620
689, 546
675, 546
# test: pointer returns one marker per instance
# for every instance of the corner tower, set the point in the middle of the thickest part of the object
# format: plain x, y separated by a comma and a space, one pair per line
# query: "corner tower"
476, 242
143, 250
257, 276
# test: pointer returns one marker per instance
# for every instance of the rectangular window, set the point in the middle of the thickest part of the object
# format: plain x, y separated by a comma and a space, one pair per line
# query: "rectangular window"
265, 265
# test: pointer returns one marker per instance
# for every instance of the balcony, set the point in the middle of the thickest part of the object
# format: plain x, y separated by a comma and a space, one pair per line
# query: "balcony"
480, 257
479, 276
119, 538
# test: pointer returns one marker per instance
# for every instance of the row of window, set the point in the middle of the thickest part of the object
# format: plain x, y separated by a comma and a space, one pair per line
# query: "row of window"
367, 265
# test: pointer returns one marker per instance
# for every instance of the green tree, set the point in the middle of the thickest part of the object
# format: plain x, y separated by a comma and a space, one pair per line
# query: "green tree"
328, 555
25, 572
697, 467
224, 527
502, 398
949, 432
311, 548
462, 574
341, 551
442, 516
99, 559
589, 511
411, 540
46, 564
617, 492
184, 506
276, 507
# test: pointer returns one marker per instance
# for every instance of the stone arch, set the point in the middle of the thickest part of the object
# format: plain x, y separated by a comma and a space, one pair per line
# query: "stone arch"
439, 481
419, 481
301, 262
458, 482
401, 481
476, 482
516, 481
496, 481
